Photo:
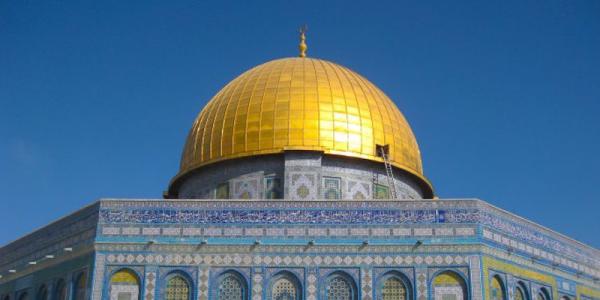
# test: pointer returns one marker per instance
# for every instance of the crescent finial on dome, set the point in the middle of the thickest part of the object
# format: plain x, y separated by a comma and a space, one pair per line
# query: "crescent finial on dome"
302, 45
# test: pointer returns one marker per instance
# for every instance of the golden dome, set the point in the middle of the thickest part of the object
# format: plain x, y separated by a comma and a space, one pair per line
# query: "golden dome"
300, 104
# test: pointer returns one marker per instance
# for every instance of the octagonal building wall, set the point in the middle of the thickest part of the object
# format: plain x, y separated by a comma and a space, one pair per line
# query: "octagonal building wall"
435, 249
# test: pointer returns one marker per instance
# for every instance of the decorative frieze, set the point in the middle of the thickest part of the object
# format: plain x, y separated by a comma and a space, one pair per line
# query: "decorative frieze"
283, 260
535, 252
373, 213
302, 231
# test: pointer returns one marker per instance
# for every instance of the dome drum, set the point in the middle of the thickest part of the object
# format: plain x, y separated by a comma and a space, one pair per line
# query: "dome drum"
296, 175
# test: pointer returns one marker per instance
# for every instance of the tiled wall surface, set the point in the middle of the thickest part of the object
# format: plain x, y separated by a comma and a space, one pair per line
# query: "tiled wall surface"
302, 174
362, 238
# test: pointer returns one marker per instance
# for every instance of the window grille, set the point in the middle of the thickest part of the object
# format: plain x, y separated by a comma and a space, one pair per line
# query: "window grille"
393, 289
177, 289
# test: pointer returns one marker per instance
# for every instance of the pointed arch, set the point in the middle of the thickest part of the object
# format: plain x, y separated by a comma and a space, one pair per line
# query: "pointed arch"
449, 285
231, 285
394, 286
497, 288
177, 287
80, 286
60, 290
42, 293
543, 294
124, 285
340, 286
393, 289
521, 292
285, 286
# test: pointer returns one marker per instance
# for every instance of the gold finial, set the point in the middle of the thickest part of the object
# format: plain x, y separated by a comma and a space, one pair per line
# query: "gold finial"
302, 45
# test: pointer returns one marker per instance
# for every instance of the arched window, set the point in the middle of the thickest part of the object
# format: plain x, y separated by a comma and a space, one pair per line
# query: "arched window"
449, 285
497, 289
124, 285
542, 294
393, 289
79, 287
231, 287
285, 287
24, 296
177, 288
521, 291
340, 287
42, 293
60, 293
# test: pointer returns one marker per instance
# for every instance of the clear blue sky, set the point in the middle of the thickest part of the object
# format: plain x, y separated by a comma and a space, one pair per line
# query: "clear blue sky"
96, 97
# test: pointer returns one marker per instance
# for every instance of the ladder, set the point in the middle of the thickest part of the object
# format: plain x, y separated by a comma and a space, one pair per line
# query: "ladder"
383, 151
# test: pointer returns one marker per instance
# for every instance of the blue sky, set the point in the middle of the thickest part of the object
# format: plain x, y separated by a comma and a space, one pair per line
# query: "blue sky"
96, 97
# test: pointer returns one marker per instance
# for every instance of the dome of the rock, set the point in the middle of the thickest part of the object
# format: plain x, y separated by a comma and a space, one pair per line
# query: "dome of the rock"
301, 104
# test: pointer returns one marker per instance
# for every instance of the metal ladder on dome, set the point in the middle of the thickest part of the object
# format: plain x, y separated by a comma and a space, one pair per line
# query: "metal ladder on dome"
383, 152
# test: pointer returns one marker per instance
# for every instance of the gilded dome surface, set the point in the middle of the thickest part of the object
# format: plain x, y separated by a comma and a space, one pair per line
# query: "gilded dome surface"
300, 104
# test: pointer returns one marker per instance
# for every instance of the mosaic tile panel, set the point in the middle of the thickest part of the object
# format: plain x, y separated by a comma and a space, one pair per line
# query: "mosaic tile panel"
116, 292
405, 192
203, 284
272, 187
448, 292
538, 253
303, 186
381, 191
295, 260
357, 190
311, 284
475, 268
150, 285
422, 286
331, 187
257, 285
288, 216
366, 283
246, 188
99, 267
111, 230
303, 231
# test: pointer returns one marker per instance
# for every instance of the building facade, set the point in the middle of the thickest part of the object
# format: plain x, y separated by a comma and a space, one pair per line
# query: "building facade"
300, 179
